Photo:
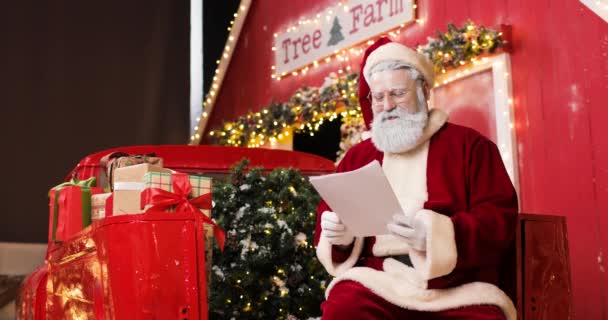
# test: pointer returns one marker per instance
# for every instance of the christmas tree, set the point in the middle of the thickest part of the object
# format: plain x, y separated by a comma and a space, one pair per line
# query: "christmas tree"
336, 33
268, 269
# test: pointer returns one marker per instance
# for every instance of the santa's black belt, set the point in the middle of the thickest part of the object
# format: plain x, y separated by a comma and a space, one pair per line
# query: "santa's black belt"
404, 258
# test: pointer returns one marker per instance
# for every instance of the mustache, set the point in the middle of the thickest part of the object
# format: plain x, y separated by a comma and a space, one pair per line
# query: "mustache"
398, 113
385, 115
392, 114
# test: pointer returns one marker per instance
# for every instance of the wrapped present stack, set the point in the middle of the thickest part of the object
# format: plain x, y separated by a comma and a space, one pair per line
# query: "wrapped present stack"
131, 185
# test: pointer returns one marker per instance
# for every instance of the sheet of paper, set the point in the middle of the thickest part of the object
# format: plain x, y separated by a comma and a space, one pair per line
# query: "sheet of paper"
362, 198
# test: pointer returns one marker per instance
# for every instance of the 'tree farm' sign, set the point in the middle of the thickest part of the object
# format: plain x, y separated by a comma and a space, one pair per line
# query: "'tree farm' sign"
338, 28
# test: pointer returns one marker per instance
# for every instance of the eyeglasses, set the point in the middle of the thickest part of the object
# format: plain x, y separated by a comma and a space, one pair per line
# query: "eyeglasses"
396, 96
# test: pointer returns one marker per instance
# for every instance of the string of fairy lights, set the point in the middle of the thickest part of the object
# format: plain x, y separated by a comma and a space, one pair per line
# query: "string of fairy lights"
234, 30
306, 111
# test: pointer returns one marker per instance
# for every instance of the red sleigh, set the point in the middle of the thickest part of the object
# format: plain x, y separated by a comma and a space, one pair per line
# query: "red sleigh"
141, 266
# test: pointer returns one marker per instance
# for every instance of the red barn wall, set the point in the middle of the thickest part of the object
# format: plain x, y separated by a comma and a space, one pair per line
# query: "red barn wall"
560, 81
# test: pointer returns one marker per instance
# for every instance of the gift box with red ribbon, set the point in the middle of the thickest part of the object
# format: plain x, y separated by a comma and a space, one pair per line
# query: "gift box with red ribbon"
165, 181
177, 192
70, 208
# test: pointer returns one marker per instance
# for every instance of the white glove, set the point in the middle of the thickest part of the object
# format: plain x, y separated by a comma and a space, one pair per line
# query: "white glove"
412, 231
334, 230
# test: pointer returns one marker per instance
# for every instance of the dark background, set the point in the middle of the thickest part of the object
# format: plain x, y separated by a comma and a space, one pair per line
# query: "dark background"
79, 77
324, 143
216, 20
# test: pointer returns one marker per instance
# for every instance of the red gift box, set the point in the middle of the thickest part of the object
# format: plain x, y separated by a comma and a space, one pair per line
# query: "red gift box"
70, 208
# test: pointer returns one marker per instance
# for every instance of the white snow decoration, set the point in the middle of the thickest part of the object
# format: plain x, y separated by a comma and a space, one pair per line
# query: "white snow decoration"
300, 239
218, 272
247, 245
282, 223
240, 213
267, 210
330, 80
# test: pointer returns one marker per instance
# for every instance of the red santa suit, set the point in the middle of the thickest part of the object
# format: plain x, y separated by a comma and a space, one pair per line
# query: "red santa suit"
455, 182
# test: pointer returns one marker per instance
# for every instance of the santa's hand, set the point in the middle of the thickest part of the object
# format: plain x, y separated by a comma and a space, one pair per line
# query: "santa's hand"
334, 230
412, 231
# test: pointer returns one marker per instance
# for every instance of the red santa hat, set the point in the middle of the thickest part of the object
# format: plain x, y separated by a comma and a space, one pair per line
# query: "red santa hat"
383, 50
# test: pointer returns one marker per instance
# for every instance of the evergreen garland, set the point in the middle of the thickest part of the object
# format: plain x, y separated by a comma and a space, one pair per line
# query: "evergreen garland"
351, 132
269, 269
305, 111
459, 46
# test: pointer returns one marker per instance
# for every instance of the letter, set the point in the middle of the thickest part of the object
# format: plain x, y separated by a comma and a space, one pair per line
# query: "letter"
396, 7
356, 11
306, 44
295, 48
316, 39
285, 46
379, 3
369, 15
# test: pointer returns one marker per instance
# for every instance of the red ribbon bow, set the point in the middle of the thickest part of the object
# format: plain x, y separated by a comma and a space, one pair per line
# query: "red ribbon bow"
162, 200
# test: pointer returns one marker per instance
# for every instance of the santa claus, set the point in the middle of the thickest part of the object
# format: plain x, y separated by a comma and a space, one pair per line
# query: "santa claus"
442, 256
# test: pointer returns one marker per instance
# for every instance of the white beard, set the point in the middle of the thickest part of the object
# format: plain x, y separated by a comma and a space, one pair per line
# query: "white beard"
401, 134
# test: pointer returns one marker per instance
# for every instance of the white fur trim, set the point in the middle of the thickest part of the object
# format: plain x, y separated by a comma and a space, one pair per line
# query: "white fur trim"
437, 118
366, 135
399, 52
441, 254
398, 286
404, 271
389, 245
325, 256
406, 173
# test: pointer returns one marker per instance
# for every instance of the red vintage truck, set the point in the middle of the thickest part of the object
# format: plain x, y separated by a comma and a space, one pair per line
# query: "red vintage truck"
141, 266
